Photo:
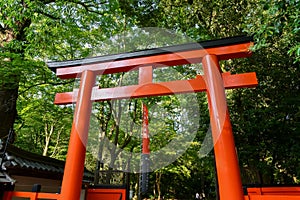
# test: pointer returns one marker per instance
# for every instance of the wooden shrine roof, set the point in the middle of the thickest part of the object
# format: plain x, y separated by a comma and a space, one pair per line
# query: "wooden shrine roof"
20, 162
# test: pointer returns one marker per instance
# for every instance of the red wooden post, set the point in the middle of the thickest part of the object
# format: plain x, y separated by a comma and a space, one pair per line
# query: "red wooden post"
145, 77
7, 195
33, 195
145, 131
230, 185
73, 173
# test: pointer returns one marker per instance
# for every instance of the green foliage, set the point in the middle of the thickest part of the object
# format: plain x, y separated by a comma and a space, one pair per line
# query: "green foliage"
14, 69
267, 118
41, 126
32, 32
276, 24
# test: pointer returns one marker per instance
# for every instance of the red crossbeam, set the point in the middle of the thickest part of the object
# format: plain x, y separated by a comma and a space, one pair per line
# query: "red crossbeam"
159, 89
170, 59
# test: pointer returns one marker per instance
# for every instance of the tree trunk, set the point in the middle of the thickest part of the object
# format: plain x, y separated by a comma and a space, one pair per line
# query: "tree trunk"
157, 182
8, 112
48, 134
10, 85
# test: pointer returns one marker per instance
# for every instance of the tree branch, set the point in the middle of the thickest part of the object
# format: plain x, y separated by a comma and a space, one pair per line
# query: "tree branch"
89, 5
45, 83
126, 142
47, 1
49, 15
57, 141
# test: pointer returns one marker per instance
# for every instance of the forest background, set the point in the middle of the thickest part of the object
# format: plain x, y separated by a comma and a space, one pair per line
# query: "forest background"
266, 119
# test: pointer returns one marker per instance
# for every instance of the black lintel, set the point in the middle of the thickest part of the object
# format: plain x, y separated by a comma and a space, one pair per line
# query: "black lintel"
151, 52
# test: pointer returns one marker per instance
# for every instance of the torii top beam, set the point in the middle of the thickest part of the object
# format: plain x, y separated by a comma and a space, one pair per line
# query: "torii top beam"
228, 48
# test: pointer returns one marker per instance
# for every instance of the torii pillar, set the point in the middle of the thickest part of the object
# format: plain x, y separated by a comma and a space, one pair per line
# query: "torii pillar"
214, 82
229, 179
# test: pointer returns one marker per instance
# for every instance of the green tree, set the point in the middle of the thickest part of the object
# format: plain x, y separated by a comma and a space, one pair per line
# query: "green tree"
266, 119
41, 126
46, 30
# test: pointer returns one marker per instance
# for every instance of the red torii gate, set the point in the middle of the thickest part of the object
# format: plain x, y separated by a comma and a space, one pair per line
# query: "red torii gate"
214, 82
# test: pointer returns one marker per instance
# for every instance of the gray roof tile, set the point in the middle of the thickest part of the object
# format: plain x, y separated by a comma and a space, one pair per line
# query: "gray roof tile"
19, 161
